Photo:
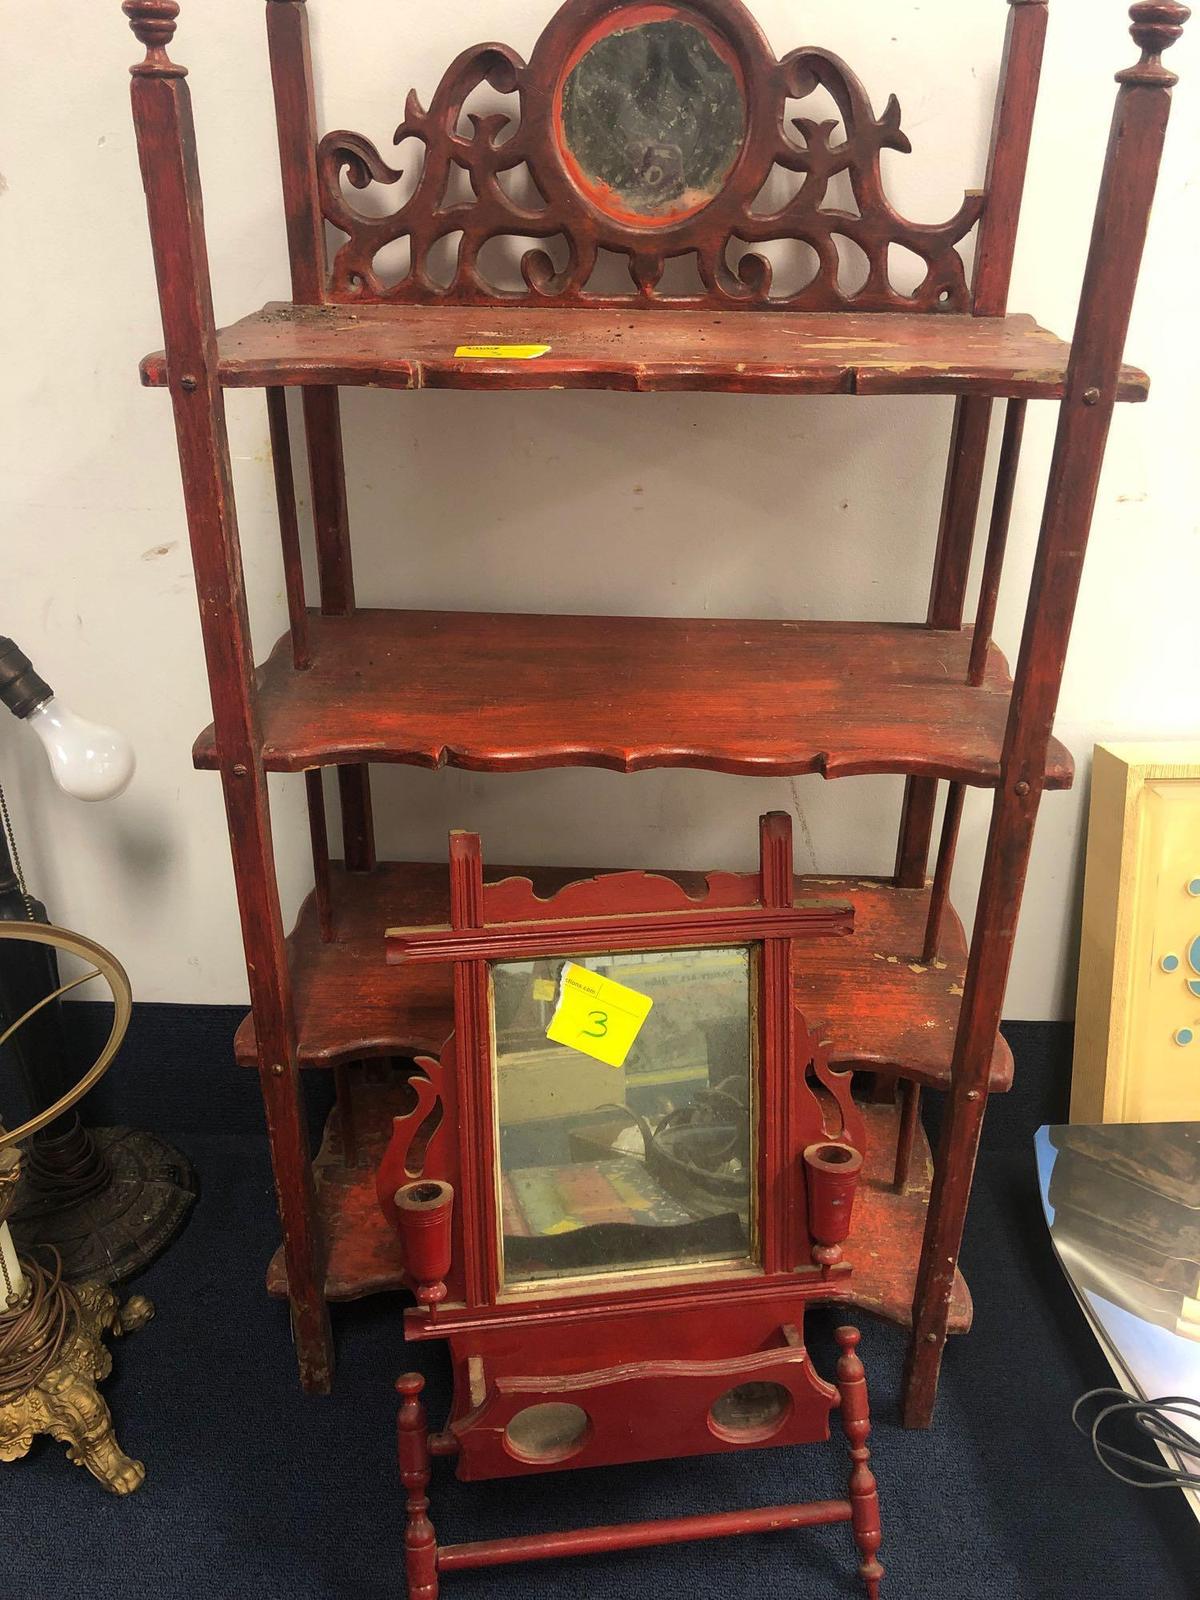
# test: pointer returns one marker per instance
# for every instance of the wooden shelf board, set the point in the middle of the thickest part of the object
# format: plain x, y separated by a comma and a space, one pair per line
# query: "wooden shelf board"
869, 993
363, 1254
505, 692
757, 352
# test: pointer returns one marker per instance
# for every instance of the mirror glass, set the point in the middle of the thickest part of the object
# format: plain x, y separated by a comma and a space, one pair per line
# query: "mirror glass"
653, 119
611, 1169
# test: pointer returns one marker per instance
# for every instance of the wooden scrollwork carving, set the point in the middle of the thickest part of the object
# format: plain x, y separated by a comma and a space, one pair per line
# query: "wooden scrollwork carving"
827, 1108
421, 1145
680, 175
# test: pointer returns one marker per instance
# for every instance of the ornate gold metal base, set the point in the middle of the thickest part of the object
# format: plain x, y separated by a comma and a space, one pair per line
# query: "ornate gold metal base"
65, 1402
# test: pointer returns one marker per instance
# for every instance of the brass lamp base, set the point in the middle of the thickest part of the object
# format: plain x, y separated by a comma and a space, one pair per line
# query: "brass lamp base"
65, 1403
52, 1351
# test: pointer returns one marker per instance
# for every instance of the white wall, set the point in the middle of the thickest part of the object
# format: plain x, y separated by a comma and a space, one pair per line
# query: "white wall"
698, 503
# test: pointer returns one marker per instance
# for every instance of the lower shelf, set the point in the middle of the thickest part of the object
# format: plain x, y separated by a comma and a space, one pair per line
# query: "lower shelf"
869, 994
363, 1255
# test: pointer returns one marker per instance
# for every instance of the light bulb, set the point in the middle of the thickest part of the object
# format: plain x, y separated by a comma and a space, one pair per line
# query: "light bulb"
87, 760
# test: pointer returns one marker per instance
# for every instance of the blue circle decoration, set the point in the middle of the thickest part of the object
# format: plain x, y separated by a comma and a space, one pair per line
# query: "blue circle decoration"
1194, 887
1184, 1036
1194, 955
1170, 963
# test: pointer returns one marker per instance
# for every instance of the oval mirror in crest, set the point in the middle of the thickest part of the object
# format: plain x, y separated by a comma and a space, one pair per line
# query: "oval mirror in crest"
651, 115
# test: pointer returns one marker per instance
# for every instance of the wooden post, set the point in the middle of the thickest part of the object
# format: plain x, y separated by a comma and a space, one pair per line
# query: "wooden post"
784, 1212
167, 150
1008, 160
1118, 240
1008, 156
412, 1447
939, 895
473, 1041
289, 527
910, 1119
864, 1494
985, 618
993, 561
319, 839
296, 123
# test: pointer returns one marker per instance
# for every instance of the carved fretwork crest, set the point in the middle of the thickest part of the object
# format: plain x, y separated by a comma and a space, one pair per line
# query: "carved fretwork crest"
655, 132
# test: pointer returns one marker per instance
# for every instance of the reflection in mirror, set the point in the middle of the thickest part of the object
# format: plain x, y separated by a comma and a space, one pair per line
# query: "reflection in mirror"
611, 1169
750, 1411
555, 1430
653, 118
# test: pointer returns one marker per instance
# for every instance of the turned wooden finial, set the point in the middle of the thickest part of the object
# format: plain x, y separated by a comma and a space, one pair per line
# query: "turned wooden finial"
1157, 24
153, 24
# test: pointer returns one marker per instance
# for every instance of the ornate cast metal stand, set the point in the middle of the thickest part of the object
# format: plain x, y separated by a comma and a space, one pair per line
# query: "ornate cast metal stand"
107, 1199
142, 1198
52, 1351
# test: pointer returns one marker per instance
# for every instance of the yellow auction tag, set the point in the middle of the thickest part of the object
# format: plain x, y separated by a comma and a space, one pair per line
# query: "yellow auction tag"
500, 352
597, 1015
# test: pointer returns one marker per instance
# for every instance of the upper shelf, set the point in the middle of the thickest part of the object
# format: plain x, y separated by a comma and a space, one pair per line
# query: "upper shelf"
500, 692
746, 352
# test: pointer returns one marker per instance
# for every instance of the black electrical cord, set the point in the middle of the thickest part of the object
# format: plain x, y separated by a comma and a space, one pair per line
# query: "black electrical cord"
1151, 1418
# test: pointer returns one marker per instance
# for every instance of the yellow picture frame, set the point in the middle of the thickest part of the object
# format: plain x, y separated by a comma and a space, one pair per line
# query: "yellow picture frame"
1137, 1019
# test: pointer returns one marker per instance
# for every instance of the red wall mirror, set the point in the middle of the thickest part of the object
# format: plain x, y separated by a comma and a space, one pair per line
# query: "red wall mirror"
622, 1181
650, 114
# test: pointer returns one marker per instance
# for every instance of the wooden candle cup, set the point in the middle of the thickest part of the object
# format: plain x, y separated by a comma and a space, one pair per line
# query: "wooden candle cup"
425, 1213
831, 1172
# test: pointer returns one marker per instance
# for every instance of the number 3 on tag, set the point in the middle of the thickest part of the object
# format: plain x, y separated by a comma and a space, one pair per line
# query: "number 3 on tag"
597, 1016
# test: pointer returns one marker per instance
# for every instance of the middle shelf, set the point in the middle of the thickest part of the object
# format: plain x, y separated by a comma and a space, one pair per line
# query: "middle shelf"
507, 692
868, 993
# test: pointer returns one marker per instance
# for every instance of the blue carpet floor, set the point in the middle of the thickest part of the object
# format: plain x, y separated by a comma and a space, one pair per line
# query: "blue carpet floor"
255, 1490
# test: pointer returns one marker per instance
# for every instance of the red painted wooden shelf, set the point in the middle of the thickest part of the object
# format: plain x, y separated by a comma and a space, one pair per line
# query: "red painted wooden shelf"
758, 352
869, 993
364, 1253
511, 693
